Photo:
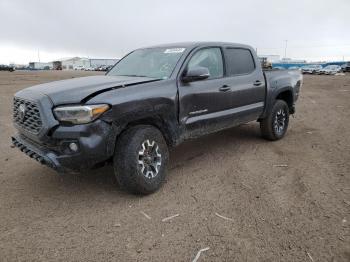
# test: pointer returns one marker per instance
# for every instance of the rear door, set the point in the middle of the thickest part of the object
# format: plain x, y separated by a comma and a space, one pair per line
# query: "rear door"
247, 83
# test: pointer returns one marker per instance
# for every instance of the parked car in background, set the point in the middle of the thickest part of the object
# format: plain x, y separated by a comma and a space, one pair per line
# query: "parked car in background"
106, 68
101, 68
152, 99
311, 69
89, 68
79, 67
7, 68
330, 70
346, 67
294, 68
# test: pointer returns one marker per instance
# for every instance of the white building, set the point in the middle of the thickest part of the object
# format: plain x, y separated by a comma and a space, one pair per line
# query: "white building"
95, 62
40, 65
74, 63
83, 62
290, 60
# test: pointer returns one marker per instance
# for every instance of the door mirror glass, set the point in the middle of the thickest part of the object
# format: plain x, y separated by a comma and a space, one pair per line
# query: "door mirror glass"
196, 74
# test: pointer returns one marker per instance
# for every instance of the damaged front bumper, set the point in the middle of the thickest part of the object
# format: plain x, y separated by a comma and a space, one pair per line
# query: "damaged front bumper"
95, 144
41, 155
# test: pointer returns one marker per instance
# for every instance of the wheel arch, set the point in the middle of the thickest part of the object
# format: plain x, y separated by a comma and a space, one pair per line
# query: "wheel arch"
287, 96
168, 128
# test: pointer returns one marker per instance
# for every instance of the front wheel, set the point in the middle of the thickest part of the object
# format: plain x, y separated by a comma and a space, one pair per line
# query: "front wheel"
140, 160
275, 125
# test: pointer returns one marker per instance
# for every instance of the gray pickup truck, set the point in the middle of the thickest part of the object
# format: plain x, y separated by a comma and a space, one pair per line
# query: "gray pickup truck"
151, 99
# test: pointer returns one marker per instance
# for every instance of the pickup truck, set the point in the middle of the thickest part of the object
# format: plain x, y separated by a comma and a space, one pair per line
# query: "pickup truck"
152, 99
346, 67
7, 68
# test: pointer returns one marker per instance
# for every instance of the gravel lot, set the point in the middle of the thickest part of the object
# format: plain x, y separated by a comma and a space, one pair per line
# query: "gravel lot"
286, 201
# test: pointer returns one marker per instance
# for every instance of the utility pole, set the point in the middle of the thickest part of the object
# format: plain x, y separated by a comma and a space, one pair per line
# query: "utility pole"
285, 49
39, 55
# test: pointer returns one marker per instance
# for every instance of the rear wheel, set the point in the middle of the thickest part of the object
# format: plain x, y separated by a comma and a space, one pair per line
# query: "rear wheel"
275, 125
141, 159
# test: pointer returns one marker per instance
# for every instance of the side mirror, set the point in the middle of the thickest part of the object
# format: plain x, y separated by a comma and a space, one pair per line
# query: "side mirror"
195, 74
108, 68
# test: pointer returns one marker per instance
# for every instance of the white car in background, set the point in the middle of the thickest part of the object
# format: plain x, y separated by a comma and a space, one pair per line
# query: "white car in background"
89, 68
330, 70
311, 69
79, 67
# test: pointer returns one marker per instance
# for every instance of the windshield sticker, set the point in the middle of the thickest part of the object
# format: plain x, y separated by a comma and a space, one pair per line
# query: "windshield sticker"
174, 50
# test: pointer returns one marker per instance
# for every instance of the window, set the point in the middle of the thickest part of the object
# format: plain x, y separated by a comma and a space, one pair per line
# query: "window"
151, 62
210, 58
239, 61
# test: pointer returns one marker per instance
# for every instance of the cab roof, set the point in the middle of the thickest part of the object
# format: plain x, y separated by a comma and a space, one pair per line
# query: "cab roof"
198, 44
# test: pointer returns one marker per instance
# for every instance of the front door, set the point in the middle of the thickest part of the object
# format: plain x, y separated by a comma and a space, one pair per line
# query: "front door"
203, 102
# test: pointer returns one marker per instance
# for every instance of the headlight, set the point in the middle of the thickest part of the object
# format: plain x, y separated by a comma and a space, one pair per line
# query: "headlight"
79, 114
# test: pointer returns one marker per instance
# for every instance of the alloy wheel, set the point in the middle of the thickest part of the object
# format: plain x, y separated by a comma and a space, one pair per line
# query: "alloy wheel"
150, 159
280, 121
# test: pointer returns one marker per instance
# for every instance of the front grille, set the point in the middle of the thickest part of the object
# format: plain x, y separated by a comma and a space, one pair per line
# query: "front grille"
26, 114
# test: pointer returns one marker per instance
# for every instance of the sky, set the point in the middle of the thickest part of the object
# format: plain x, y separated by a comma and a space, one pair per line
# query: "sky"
49, 30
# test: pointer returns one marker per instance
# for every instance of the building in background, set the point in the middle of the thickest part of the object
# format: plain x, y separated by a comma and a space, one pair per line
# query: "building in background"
74, 63
40, 66
96, 62
270, 58
299, 63
291, 61
84, 63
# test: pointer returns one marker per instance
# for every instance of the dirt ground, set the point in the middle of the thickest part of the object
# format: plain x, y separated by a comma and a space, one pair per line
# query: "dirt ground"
285, 201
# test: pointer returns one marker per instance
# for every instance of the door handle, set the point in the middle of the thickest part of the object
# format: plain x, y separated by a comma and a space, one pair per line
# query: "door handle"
257, 83
224, 88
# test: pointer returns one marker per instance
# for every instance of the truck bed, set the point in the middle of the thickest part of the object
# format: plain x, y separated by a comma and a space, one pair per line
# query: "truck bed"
279, 81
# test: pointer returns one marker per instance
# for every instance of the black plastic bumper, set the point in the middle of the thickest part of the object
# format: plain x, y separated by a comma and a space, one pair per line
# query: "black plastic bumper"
39, 155
95, 145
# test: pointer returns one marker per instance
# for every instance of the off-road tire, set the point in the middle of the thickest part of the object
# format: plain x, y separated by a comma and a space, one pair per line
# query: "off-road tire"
126, 164
267, 125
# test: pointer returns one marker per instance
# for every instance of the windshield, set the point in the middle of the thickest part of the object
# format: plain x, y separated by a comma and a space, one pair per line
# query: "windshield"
152, 62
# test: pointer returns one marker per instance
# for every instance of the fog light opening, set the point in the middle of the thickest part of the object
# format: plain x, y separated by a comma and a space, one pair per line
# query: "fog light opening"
73, 147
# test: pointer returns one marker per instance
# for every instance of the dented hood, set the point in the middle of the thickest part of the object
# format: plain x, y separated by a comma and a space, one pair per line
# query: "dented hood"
79, 90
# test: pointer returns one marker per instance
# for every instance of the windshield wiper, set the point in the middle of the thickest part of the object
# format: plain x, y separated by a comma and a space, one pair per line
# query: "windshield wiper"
138, 76
144, 76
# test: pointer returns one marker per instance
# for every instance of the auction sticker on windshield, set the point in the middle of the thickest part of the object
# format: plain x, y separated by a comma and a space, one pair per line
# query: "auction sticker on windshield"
174, 50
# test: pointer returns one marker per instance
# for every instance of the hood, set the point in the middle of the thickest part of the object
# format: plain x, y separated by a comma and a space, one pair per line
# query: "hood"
79, 90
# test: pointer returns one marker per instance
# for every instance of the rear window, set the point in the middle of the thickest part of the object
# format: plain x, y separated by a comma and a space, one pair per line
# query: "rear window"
239, 61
